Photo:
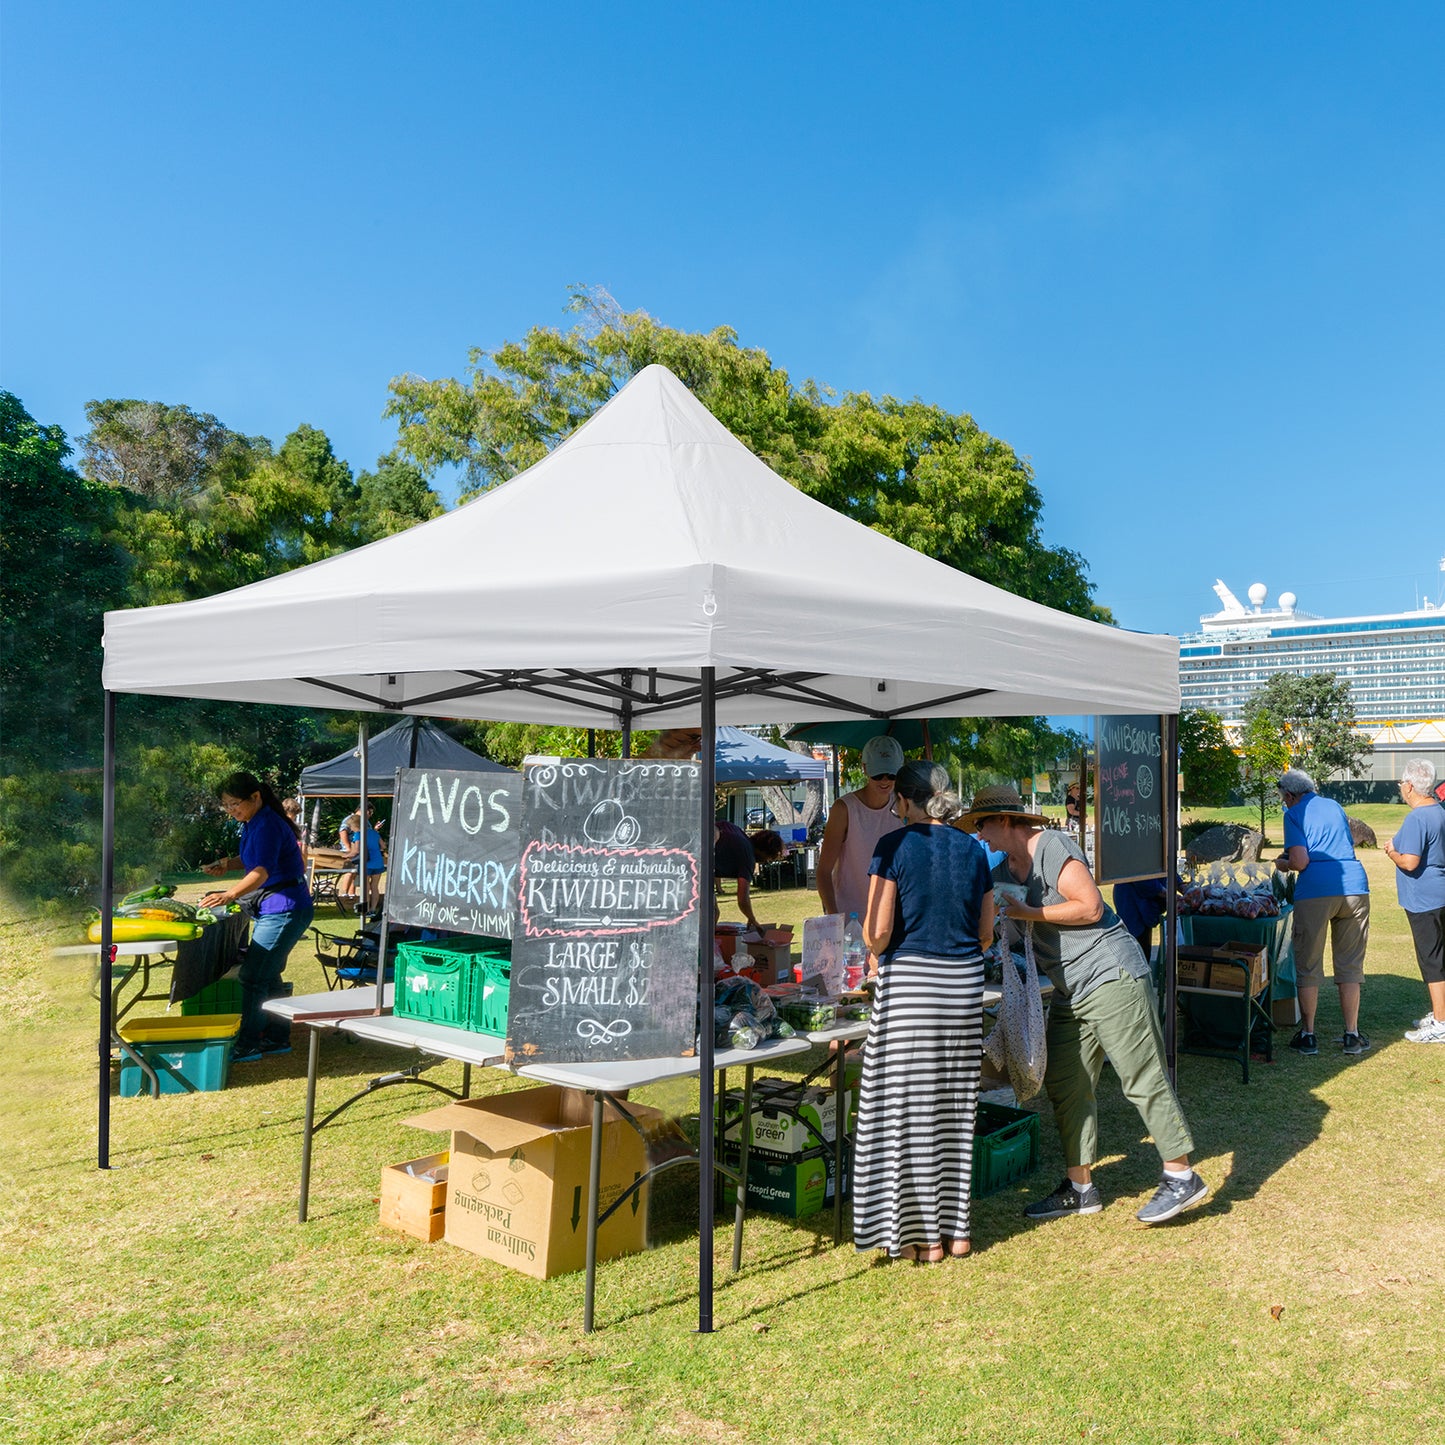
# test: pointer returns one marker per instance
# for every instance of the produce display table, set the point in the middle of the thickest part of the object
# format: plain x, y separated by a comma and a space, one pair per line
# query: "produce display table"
137, 960
1276, 934
1213, 1016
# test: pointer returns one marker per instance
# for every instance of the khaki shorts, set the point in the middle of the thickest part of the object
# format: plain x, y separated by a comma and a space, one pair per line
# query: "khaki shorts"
1346, 919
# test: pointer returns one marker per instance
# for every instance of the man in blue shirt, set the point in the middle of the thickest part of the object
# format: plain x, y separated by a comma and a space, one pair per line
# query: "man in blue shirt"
1331, 896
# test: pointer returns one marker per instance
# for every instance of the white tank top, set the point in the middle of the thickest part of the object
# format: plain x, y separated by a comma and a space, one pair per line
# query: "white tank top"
850, 874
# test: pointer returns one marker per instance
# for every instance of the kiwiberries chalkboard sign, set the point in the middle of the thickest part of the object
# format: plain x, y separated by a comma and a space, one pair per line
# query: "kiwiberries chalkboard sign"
609, 898
455, 841
1129, 797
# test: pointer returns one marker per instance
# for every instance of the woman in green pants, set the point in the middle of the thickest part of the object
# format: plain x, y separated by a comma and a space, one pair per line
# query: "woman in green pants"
1103, 1008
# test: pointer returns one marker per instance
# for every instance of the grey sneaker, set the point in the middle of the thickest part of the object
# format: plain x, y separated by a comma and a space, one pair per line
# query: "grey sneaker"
1065, 1200
1354, 1043
1429, 1030
1304, 1043
1172, 1197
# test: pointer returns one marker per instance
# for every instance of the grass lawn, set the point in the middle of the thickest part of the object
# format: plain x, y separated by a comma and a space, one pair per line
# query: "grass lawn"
175, 1297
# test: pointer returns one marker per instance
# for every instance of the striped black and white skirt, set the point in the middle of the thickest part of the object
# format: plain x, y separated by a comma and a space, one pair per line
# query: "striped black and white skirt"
913, 1152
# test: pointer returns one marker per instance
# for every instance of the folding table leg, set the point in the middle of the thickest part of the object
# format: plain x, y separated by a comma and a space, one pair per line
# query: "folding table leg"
840, 1073
593, 1179
313, 1056
745, 1134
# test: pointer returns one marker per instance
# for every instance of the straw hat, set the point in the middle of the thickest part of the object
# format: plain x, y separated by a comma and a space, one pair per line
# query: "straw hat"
1000, 801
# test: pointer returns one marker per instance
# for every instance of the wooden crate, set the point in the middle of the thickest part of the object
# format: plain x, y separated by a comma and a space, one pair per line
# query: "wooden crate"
416, 1207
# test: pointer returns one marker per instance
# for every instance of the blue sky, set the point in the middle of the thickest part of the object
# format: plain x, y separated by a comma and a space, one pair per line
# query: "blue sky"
1188, 260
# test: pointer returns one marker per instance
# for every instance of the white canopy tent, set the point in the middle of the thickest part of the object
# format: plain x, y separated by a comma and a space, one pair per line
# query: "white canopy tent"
650, 571
593, 589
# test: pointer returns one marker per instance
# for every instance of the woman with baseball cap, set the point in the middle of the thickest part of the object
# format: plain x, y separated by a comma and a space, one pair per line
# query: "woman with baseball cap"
1103, 1007
855, 824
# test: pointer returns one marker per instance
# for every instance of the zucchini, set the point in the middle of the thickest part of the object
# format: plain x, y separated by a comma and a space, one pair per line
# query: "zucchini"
146, 930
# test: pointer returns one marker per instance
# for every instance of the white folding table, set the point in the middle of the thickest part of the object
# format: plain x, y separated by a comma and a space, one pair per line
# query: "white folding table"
604, 1081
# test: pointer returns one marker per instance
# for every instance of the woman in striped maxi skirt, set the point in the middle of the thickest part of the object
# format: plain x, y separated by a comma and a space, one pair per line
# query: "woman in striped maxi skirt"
930, 906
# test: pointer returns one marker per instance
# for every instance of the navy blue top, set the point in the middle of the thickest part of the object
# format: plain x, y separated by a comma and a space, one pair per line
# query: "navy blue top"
1141, 905
268, 842
942, 878
732, 855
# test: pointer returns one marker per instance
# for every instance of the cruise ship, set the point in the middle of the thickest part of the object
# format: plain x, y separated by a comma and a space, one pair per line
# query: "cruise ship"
1394, 663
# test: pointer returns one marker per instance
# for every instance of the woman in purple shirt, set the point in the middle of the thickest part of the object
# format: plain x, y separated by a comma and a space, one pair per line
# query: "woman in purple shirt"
274, 872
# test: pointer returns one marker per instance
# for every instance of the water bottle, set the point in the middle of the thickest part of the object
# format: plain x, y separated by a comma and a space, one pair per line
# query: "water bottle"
854, 954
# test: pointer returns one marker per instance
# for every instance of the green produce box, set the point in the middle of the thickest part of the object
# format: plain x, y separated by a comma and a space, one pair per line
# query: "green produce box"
1005, 1147
787, 1121
795, 1187
221, 997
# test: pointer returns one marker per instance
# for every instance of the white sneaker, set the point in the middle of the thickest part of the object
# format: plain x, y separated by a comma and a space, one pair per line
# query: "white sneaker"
1424, 1021
1429, 1031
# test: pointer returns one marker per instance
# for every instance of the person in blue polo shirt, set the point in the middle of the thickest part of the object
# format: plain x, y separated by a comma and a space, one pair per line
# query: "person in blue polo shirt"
1331, 896
271, 856
1418, 852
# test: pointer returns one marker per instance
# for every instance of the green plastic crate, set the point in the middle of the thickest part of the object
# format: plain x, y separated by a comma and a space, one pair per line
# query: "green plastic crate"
221, 997
488, 995
1005, 1147
465, 983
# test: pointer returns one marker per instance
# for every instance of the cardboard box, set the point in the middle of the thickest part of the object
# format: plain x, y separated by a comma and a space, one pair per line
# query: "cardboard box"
788, 1121
517, 1184
772, 962
1224, 968
795, 1187
1284, 1012
1237, 963
1192, 966
413, 1205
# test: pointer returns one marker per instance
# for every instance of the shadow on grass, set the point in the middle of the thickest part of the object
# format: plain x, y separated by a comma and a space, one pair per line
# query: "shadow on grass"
1262, 1125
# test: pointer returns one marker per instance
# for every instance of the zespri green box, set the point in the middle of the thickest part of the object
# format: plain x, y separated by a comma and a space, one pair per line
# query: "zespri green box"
795, 1187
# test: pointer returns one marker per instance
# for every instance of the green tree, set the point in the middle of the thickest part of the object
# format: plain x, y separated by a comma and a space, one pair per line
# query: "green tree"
167, 454
1266, 756
58, 574
1210, 765
916, 472
389, 500
1314, 717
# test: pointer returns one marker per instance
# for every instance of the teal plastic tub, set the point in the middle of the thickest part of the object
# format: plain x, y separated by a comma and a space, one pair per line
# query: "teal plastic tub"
191, 1054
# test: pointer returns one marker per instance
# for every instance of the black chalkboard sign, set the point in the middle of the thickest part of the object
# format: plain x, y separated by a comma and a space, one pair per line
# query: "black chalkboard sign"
609, 898
455, 838
1129, 796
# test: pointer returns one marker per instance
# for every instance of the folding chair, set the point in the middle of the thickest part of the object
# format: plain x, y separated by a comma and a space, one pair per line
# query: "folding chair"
347, 962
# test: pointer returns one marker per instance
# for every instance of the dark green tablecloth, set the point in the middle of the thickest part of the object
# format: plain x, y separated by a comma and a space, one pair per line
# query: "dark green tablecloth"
1214, 1021
201, 961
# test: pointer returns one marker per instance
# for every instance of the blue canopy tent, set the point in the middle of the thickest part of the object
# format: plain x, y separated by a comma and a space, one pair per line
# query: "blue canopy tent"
740, 758
414, 742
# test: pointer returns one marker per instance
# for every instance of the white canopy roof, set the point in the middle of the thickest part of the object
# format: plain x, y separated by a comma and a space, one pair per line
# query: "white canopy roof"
648, 545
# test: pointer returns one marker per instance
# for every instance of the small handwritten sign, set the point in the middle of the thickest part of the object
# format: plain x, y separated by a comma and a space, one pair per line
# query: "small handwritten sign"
609, 901
1129, 799
456, 838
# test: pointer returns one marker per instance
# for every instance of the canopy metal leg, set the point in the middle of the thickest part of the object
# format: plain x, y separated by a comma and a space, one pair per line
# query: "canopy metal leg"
705, 989
107, 893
